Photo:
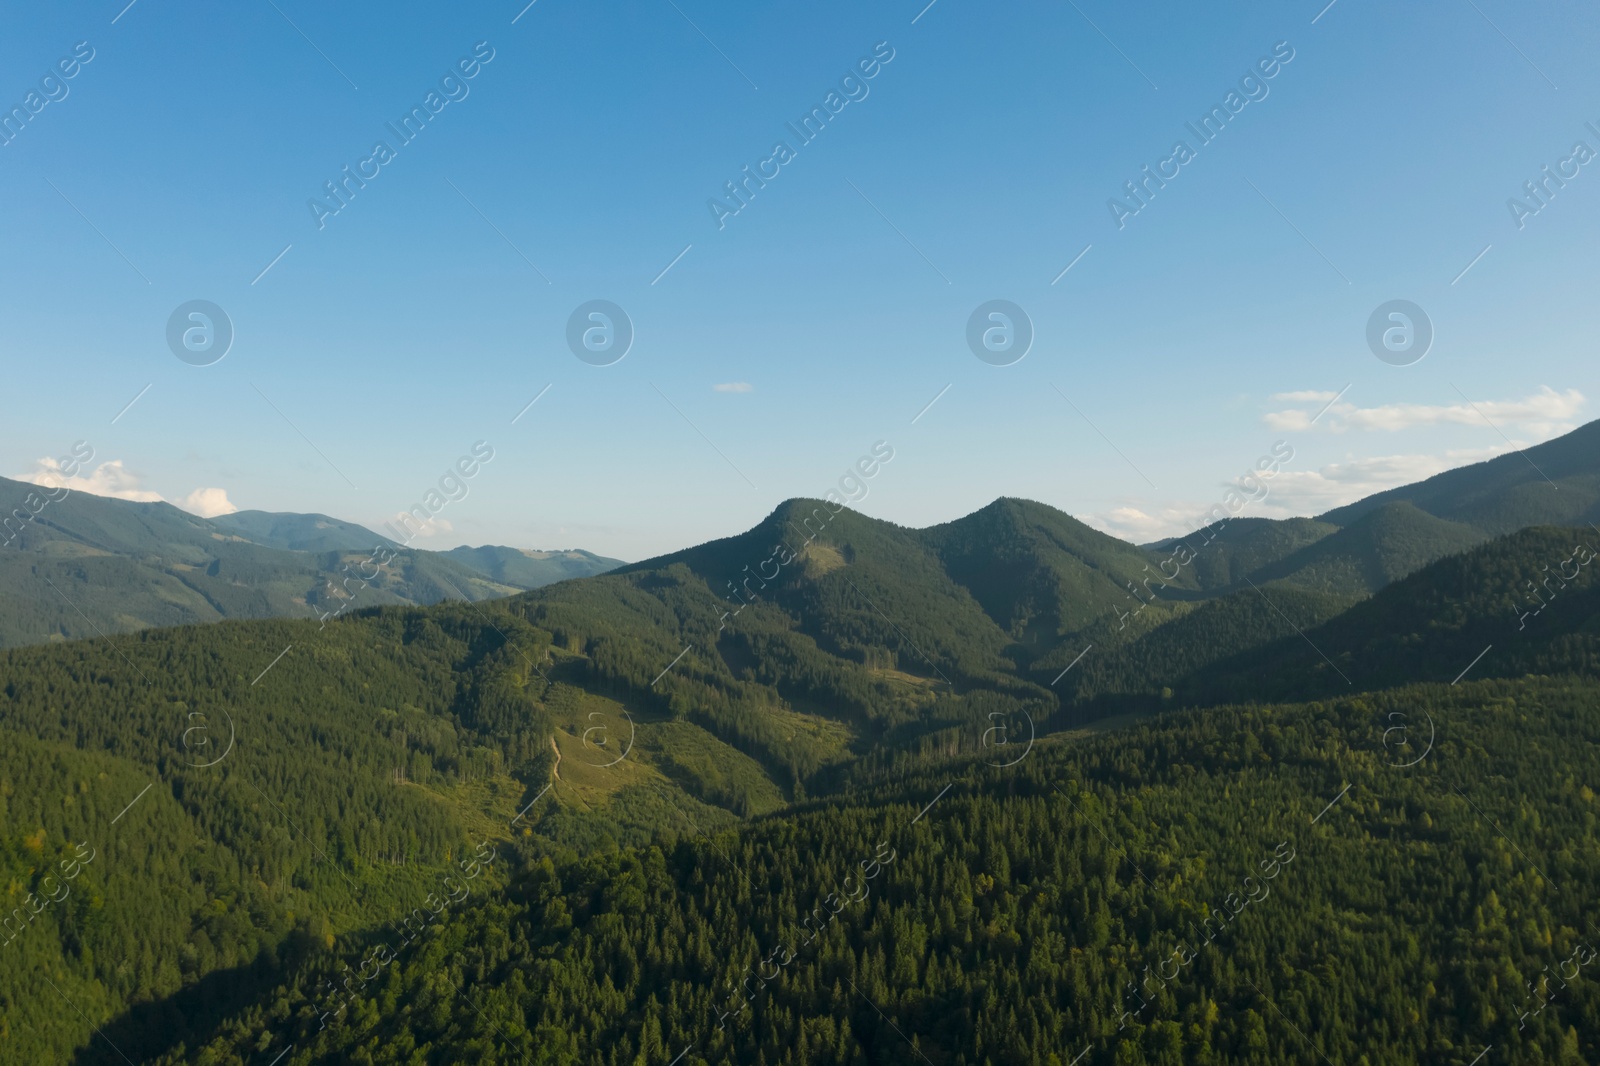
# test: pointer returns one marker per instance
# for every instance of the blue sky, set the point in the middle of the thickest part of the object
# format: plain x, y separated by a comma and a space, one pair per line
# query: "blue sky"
428, 312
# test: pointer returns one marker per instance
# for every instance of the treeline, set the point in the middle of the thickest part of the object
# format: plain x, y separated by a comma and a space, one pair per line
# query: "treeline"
1238, 886
283, 785
1526, 603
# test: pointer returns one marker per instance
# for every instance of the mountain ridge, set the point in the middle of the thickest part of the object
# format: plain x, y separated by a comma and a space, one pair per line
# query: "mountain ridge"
78, 565
713, 708
1038, 575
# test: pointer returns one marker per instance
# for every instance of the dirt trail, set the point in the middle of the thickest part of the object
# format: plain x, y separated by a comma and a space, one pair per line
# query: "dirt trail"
555, 771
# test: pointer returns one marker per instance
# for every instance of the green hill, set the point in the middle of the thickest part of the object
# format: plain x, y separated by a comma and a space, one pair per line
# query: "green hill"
675, 762
1363, 546
1242, 546
1148, 660
1246, 887
1554, 483
300, 532
307, 786
1042, 575
528, 569
1525, 602
88, 565
1380, 547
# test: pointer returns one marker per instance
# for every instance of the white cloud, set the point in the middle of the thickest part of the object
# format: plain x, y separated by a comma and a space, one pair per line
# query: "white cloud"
208, 503
433, 527
1141, 527
1545, 414
1303, 492
1292, 493
113, 480
110, 479
734, 386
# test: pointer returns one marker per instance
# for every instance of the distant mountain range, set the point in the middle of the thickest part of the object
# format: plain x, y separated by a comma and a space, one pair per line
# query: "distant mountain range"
528, 569
1379, 539
1556, 483
86, 565
663, 738
1033, 579
1525, 603
1021, 598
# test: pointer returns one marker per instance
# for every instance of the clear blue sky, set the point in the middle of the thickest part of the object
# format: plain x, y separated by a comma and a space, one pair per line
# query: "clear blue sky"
977, 167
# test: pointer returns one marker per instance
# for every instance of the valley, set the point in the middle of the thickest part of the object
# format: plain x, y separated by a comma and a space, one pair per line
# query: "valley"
1073, 765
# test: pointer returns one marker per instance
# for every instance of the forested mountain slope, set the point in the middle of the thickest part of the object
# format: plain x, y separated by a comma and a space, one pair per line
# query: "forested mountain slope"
1528, 603
1240, 547
529, 569
1040, 578
300, 532
1554, 483
1225, 887
82, 565
673, 763
1362, 546
1380, 547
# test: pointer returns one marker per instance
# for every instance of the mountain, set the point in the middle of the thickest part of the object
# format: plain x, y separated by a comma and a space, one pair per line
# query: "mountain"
300, 532
83, 566
986, 593
1140, 666
520, 568
1034, 581
1040, 574
1237, 887
1240, 547
1258, 616
530, 569
640, 781
1380, 546
1527, 603
1554, 483
1363, 546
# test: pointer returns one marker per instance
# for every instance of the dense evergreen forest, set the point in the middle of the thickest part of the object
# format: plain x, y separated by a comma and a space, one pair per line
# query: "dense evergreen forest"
836, 791
1240, 885
75, 565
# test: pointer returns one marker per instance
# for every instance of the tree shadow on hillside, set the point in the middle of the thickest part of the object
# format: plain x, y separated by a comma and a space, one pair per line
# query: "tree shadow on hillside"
189, 1016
